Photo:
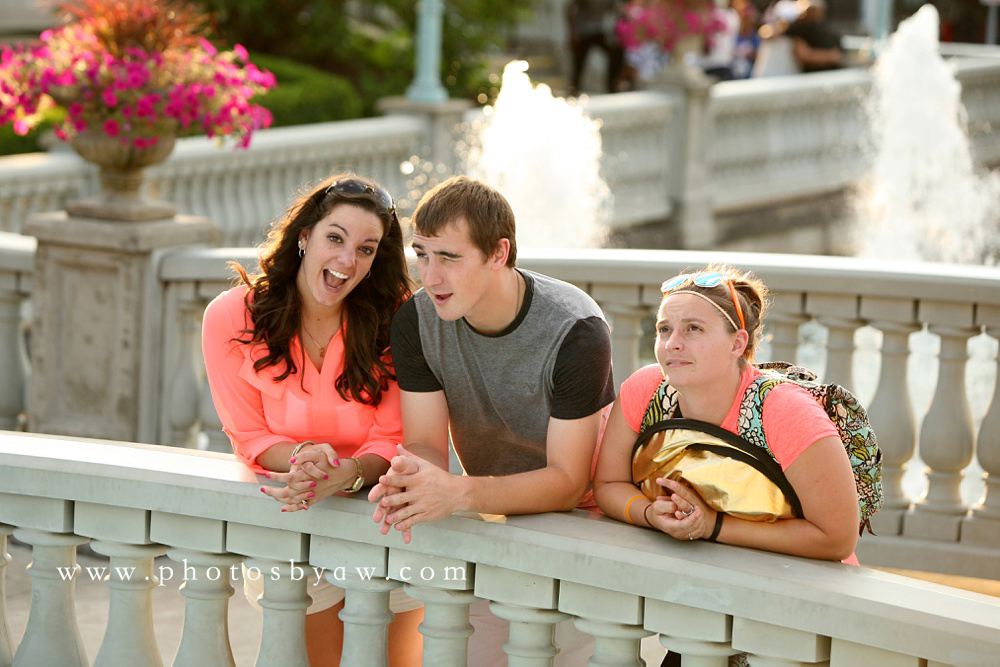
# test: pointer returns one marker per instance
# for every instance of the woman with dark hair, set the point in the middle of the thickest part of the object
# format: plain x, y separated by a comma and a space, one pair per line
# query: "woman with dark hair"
298, 363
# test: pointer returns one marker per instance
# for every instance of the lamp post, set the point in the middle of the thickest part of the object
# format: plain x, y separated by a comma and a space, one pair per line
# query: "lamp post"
426, 87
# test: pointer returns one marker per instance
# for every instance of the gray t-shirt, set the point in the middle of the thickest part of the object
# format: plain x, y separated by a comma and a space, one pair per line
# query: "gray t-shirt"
554, 360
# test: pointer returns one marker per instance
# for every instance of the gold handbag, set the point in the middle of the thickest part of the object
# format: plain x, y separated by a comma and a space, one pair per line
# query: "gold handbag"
731, 474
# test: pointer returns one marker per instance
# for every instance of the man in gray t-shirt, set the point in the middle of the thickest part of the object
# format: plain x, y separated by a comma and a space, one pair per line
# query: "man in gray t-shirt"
514, 364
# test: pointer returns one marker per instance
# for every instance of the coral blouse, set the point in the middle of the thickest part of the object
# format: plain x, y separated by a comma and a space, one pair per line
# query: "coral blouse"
257, 412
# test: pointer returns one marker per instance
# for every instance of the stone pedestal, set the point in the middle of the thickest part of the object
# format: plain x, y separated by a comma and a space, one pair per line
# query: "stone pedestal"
96, 327
695, 218
443, 121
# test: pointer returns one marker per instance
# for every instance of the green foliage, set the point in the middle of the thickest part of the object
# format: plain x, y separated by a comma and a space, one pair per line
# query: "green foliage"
371, 43
305, 94
11, 143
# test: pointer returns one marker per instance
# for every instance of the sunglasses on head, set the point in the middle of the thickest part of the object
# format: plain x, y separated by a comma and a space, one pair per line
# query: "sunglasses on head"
353, 187
706, 279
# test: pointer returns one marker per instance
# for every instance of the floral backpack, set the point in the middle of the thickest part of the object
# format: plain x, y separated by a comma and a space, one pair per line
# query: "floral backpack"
843, 408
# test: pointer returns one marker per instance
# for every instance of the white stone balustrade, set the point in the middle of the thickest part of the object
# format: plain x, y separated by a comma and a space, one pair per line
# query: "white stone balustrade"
619, 582
765, 140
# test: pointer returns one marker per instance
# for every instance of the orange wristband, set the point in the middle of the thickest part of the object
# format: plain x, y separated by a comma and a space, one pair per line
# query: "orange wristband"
631, 500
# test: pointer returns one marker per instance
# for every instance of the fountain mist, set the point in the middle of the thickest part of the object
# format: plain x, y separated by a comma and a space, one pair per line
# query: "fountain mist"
544, 155
923, 199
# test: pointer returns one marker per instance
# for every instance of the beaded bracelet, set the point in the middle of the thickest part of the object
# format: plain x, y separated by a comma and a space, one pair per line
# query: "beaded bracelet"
718, 526
298, 447
631, 500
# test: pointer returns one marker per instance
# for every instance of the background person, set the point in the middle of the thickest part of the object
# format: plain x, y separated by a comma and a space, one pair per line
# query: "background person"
298, 365
591, 24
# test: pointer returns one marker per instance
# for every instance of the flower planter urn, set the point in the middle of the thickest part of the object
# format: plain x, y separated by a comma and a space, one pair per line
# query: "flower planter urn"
121, 165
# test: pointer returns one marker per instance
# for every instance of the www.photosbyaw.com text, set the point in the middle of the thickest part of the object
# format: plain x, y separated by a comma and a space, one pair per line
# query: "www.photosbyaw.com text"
165, 573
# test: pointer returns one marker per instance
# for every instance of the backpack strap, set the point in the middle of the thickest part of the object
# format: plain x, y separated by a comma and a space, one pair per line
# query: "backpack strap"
662, 405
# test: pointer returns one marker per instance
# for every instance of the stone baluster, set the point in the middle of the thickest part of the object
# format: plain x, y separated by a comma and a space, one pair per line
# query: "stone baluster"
284, 604
11, 365
775, 646
446, 628
531, 635
983, 526
946, 437
129, 638
839, 314
612, 618
366, 618
182, 398
891, 411
783, 322
445, 586
624, 314
52, 636
529, 604
6, 644
206, 589
701, 637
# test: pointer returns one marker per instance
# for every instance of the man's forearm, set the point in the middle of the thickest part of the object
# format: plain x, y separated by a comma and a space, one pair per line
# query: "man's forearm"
549, 489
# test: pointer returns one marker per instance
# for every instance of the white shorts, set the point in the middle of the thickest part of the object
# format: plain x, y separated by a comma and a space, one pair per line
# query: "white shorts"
324, 594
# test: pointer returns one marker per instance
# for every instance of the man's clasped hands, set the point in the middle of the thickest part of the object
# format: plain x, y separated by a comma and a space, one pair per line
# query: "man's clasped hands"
411, 492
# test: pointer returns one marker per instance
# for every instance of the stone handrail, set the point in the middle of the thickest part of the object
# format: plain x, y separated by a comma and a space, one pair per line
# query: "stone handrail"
765, 140
619, 583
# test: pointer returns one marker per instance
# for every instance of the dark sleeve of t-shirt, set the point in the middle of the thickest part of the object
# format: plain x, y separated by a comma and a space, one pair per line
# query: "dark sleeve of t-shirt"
412, 371
582, 377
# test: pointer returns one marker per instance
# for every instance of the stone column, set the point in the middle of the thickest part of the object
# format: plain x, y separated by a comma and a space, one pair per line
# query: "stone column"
96, 327
442, 130
6, 644
695, 218
982, 528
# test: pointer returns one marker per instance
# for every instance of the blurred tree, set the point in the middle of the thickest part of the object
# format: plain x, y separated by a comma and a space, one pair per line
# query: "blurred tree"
371, 43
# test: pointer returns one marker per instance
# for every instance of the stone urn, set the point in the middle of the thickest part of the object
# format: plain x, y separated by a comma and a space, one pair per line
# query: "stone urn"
121, 165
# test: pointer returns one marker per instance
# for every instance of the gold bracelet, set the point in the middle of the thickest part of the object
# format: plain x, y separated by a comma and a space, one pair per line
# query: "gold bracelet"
631, 500
298, 447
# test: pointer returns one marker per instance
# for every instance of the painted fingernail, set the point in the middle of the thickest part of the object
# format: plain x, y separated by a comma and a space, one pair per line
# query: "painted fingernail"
268, 475
282, 509
326, 477
337, 462
310, 494
262, 489
291, 460
312, 483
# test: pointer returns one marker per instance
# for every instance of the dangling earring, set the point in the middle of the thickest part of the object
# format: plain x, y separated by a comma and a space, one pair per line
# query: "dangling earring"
302, 252
369, 274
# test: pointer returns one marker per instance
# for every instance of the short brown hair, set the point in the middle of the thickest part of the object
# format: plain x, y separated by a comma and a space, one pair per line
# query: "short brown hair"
487, 213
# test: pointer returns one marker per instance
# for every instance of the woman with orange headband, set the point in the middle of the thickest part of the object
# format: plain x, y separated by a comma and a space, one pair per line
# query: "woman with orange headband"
707, 329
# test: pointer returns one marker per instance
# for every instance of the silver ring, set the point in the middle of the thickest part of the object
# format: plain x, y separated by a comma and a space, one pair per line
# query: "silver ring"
689, 512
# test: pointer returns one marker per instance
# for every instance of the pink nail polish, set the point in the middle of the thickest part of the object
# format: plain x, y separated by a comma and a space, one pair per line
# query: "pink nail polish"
310, 495
326, 477
337, 462
268, 475
291, 460
282, 509
262, 489
312, 483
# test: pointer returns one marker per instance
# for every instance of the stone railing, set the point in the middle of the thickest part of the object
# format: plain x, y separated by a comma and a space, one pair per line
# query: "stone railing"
917, 342
764, 141
618, 583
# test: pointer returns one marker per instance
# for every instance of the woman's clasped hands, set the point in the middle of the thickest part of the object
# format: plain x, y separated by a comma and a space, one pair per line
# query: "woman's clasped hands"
314, 473
680, 512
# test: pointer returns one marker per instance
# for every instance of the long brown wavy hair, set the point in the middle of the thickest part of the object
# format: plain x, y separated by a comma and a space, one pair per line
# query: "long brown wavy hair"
275, 305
